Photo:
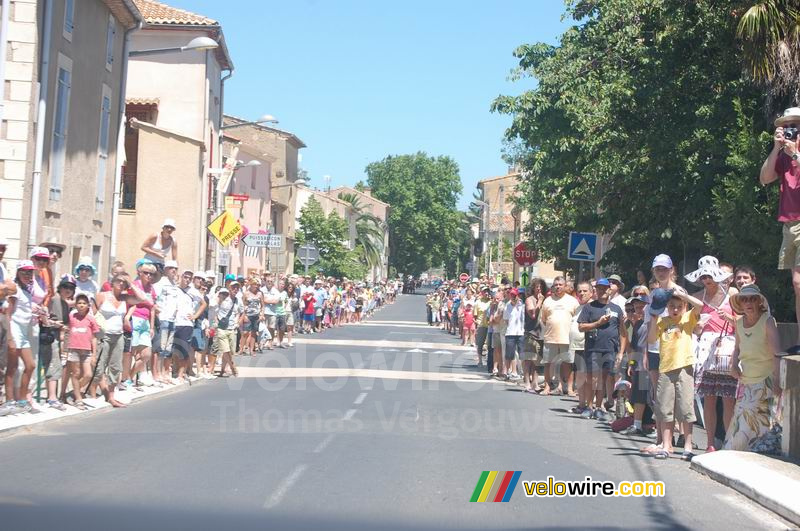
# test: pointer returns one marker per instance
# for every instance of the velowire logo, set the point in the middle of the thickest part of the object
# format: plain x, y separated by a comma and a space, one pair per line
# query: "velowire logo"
494, 486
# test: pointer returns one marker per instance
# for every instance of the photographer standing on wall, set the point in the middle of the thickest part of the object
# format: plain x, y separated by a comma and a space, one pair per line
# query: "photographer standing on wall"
783, 163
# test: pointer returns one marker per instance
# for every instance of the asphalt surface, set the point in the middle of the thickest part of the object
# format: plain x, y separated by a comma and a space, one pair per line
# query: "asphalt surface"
344, 447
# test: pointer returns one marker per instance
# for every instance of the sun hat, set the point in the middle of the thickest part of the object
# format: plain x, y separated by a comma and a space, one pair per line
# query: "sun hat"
602, 282
749, 290
85, 262
708, 265
51, 243
659, 300
171, 263
230, 276
169, 222
144, 261
209, 274
200, 274
25, 265
618, 280
662, 260
792, 114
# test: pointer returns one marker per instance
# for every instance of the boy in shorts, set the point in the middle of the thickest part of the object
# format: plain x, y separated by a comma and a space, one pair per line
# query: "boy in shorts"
81, 347
675, 389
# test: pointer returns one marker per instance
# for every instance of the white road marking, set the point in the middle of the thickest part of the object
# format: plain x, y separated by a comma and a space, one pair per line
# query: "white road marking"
284, 487
360, 398
335, 372
355, 343
416, 350
349, 414
324, 444
368, 386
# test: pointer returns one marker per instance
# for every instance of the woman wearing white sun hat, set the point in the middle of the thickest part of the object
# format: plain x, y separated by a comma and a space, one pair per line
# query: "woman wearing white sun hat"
717, 328
161, 246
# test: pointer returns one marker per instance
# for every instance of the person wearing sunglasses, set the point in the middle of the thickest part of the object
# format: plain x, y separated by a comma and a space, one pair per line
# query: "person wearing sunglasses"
142, 319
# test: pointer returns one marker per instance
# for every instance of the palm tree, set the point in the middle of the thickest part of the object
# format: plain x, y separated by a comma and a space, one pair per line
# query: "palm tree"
770, 35
369, 230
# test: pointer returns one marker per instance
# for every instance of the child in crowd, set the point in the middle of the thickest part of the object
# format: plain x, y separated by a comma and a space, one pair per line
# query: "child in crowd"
308, 311
468, 320
675, 388
82, 347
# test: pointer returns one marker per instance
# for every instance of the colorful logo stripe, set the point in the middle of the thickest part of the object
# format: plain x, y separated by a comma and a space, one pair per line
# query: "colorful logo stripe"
495, 486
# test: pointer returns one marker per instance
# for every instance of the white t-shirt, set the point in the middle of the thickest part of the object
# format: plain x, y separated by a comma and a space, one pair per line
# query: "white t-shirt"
187, 303
577, 339
87, 287
166, 299
271, 293
514, 315
557, 316
620, 301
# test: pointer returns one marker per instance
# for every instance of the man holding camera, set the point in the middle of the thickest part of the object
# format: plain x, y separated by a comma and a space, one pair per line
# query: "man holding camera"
783, 163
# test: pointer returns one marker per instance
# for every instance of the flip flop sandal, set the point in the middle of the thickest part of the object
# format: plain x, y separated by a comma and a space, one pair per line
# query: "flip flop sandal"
661, 454
651, 449
80, 405
687, 456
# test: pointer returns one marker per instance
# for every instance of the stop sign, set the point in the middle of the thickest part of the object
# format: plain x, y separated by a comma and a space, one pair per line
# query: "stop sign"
524, 255
463, 277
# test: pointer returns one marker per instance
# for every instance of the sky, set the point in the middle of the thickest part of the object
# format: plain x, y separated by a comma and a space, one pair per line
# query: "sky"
359, 80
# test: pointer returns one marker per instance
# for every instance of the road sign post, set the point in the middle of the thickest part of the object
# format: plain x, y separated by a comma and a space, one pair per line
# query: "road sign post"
272, 241
309, 255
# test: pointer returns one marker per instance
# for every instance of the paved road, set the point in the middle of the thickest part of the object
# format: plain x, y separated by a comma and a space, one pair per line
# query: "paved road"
319, 436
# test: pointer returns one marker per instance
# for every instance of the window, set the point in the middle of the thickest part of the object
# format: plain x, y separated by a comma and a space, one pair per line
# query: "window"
69, 17
253, 177
96, 258
102, 148
111, 31
60, 121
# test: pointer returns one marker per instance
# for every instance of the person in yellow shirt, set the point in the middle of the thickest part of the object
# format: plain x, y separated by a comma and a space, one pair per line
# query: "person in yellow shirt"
675, 388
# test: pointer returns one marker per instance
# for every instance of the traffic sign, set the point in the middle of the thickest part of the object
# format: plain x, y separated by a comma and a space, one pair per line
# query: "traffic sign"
524, 278
238, 197
273, 241
225, 228
582, 246
463, 277
525, 255
308, 254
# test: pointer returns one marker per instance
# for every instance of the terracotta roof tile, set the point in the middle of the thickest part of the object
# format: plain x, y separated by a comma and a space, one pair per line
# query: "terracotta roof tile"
158, 13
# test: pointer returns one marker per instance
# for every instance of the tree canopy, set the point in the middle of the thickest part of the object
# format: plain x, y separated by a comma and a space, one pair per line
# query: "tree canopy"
329, 234
423, 220
644, 126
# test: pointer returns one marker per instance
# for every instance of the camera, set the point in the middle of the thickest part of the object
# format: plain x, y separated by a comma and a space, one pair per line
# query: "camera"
790, 133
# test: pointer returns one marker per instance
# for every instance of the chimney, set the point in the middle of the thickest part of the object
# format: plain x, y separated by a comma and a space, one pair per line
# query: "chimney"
367, 191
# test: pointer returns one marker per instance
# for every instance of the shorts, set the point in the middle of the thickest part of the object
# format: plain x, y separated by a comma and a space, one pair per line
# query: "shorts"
79, 355
469, 327
290, 318
270, 320
675, 395
224, 341
50, 359
640, 387
583, 361
318, 312
21, 334
532, 349
199, 339
280, 323
140, 336
308, 317
653, 361
601, 361
788, 256
126, 347
251, 322
557, 353
182, 344
109, 363
166, 337
513, 347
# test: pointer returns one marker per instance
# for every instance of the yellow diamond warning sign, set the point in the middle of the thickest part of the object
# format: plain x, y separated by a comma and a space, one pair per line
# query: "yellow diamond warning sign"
225, 228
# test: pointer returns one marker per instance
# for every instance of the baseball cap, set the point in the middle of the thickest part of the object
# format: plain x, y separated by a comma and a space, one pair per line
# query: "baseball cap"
209, 274
659, 301
185, 270
39, 252
68, 280
230, 276
25, 265
224, 291
171, 263
169, 222
662, 260
602, 282
513, 291
200, 274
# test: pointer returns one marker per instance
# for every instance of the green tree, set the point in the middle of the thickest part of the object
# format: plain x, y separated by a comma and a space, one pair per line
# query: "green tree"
422, 192
369, 231
329, 234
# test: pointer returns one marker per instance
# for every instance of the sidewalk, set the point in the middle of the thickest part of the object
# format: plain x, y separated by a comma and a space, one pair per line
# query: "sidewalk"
767, 480
14, 423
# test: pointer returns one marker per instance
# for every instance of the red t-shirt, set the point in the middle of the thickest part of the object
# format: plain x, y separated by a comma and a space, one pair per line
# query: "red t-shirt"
789, 173
81, 331
106, 286
309, 301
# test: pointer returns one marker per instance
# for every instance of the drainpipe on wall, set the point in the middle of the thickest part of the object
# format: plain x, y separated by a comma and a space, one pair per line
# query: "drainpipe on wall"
3, 50
126, 44
41, 115
217, 200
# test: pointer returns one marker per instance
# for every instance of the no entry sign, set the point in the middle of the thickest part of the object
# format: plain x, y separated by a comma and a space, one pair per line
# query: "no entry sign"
463, 277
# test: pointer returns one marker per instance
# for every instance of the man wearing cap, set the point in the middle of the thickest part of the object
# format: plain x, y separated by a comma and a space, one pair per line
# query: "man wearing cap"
783, 164
189, 306
606, 340
167, 306
161, 246
617, 286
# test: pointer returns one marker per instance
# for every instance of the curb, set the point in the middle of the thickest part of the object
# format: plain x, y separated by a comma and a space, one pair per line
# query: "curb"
768, 481
30, 428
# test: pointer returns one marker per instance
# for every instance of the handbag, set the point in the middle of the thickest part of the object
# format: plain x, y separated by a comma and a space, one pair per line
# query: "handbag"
720, 354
